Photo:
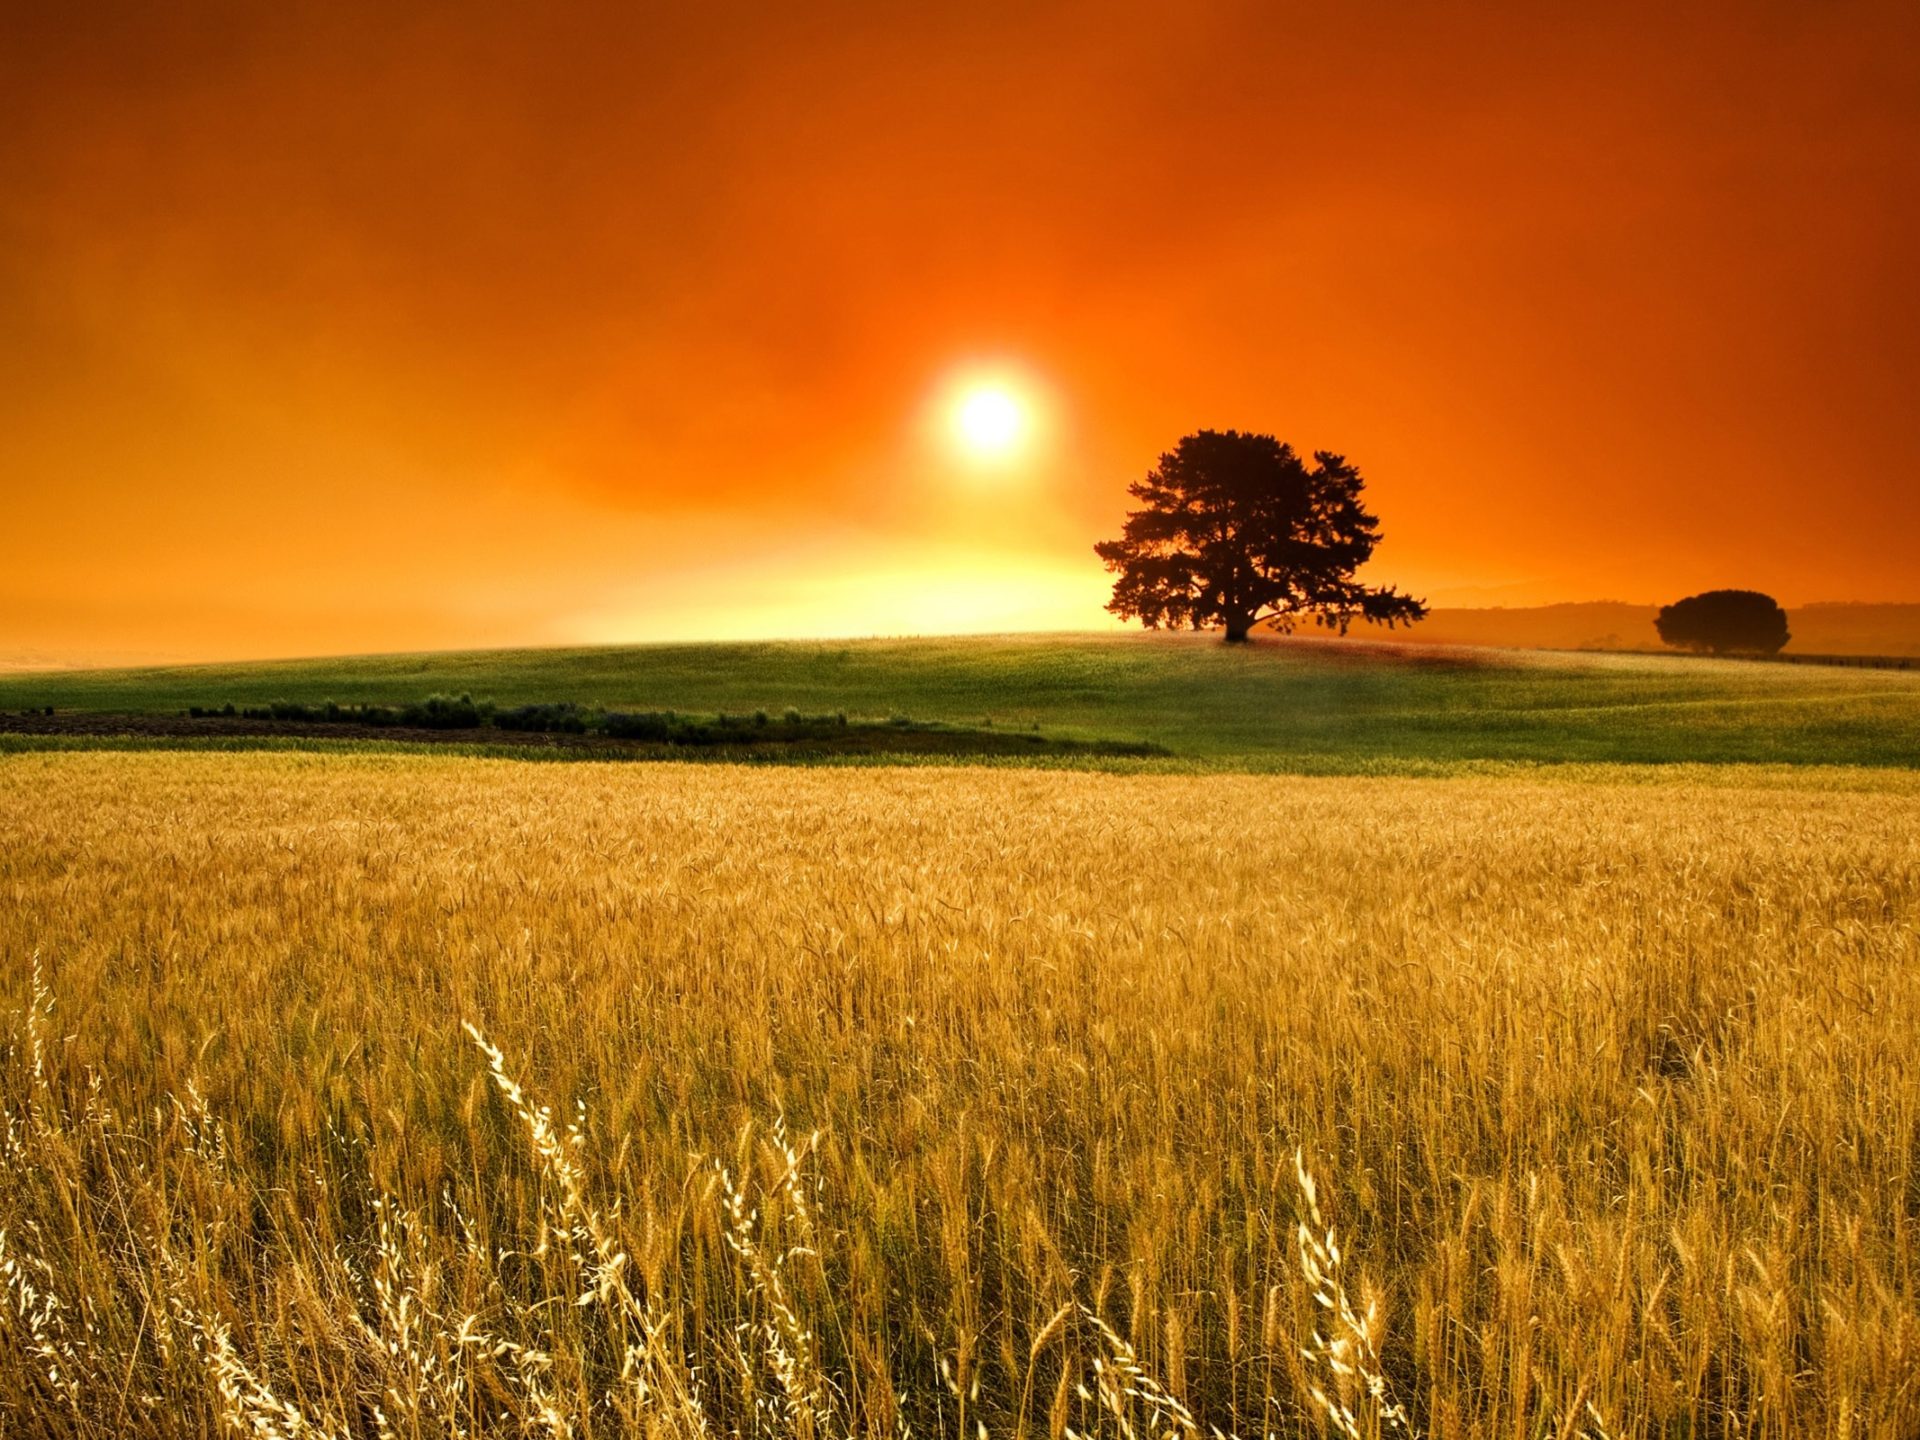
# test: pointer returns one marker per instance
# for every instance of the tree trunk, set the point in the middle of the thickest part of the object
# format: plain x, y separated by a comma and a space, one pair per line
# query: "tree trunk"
1238, 628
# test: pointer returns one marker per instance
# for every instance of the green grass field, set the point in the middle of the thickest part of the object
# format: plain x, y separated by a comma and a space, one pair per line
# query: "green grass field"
1275, 705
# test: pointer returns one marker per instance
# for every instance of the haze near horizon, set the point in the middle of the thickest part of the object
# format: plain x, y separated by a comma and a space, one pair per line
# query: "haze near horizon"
354, 330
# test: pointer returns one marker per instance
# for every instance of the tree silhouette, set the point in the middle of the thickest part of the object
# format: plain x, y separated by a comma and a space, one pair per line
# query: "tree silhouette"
1722, 620
1236, 530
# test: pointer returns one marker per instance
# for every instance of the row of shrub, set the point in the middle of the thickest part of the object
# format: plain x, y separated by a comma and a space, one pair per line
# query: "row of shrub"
436, 712
463, 712
666, 727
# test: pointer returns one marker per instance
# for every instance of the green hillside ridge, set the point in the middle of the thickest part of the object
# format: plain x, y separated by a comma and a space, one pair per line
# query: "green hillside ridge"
1276, 704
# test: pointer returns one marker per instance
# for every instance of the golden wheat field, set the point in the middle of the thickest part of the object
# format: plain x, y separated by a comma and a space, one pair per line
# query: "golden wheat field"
437, 1097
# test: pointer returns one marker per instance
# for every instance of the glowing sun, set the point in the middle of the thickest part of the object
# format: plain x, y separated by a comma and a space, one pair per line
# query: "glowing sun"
990, 420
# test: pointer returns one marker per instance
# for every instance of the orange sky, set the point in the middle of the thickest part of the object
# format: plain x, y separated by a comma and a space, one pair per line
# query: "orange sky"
324, 329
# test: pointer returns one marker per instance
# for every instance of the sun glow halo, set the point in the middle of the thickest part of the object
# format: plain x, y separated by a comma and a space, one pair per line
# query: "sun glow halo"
990, 420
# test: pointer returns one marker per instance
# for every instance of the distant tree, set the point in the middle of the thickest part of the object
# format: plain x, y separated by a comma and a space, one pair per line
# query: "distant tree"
1724, 620
1236, 530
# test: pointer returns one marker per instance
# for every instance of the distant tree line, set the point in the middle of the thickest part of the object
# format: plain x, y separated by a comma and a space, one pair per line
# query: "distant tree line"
463, 712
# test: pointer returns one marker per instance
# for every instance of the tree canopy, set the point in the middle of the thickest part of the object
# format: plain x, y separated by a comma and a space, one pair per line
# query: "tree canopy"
1235, 530
1720, 621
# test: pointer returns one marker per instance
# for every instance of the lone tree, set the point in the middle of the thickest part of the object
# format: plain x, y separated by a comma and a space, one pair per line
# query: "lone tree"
1235, 530
1724, 620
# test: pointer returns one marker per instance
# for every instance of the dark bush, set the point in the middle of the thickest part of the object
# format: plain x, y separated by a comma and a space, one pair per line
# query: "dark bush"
565, 718
445, 712
1723, 621
655, 725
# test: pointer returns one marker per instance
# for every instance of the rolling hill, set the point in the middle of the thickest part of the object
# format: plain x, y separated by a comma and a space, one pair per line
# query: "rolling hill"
1276, 704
